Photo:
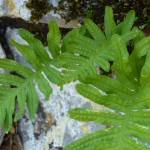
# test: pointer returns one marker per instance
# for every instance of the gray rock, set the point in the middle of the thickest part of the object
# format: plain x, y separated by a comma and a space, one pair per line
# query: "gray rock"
2, 133
17, 8
3, 10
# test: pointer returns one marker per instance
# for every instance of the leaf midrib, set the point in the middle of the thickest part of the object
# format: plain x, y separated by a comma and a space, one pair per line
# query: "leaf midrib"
126, 121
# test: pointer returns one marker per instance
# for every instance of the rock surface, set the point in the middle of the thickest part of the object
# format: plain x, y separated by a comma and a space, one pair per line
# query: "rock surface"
2, 55
52, 129
17, 8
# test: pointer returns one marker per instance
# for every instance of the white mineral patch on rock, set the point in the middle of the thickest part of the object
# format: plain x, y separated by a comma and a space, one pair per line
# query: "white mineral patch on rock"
21, 10
61, 22
2, 54
14, 8
54, 2
3, 10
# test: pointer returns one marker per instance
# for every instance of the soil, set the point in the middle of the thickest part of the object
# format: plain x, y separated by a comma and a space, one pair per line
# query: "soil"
12, 140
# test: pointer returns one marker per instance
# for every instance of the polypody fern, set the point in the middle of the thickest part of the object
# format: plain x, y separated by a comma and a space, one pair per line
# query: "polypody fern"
91, 48
127, 96
78, 53
23, 91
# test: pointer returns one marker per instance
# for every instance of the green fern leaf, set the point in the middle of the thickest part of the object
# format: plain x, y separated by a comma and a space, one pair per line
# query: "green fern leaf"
96, 140
21, 99
16, 67
95, 31
142, 47
53, 39
128, 101
2, 114
102, 117
9, 112
42, 68
26, 51
6, 79
43, 84
121, 66
67, 39
111, 101
145, 73
89, 53
35, 44
77, 67
32, 99
96, 47
128, 22
109, 23
86, 48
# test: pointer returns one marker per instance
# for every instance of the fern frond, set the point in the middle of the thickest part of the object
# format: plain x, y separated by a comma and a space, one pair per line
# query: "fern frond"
43, 84
145, 73
142, 46
121, 66
128, 22
2, 114
109, 23
42, 68
67, 38
111, 101
77, 67
34, 44
32, 99
53, 39
97, 48
96, 140
127, 98
102, 117
21, 102
9, 109
91, 54
95, 31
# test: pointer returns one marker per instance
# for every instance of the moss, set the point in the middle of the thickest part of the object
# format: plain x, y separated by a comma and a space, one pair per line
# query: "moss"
38, 8
94, 9
80, 8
